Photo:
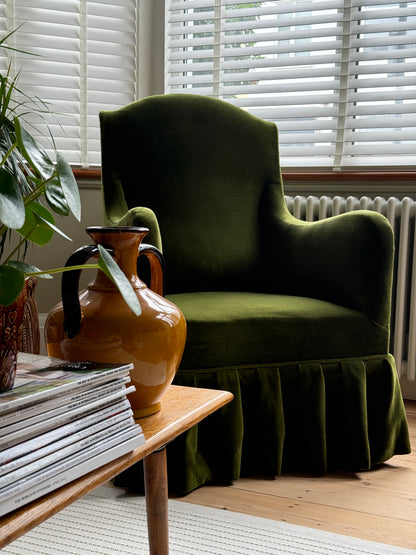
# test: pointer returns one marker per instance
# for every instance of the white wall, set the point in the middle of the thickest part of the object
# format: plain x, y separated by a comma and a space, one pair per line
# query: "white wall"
56, 253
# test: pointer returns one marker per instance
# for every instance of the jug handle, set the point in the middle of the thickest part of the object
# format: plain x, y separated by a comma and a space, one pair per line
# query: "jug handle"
69, 289
70, 282
157, 267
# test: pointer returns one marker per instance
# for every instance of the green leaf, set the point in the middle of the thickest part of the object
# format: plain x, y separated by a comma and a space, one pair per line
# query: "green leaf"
37, 227
35, 155
11, 283
12, 209
56, 197
52, 226
69, 185
4, 39
112, 270
27, 268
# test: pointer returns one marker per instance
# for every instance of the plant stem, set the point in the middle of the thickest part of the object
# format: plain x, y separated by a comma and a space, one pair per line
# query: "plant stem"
64, 269
38, 190
18, 246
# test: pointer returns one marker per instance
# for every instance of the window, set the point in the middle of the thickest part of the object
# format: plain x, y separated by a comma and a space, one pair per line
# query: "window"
337, 76
82, 60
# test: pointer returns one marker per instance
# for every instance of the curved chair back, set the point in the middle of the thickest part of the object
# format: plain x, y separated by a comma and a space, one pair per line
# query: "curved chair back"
202, 166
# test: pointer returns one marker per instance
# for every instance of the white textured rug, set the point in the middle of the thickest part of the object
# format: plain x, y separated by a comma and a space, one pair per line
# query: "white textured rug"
107, 521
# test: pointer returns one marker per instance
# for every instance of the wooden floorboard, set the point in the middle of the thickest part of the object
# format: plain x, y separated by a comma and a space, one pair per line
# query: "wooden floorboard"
379, 505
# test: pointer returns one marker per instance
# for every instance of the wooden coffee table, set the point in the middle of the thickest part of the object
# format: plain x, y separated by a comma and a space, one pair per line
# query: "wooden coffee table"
182, 408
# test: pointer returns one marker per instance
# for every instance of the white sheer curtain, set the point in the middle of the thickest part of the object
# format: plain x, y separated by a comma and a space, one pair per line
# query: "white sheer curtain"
337, 76
82, 60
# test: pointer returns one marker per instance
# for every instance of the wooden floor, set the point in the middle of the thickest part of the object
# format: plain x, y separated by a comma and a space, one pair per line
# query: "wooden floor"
379, 505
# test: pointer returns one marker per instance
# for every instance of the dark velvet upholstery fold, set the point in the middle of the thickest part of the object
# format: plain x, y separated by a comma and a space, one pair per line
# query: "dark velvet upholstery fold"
313, 417
292, 317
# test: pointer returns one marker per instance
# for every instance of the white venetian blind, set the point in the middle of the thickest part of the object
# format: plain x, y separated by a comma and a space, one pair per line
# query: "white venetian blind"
84, 61
337, 76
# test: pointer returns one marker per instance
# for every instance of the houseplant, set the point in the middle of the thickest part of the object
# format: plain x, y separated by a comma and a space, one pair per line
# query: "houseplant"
32, 189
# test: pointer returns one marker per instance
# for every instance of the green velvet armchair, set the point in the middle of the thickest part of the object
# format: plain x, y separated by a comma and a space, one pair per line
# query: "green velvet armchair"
292, 317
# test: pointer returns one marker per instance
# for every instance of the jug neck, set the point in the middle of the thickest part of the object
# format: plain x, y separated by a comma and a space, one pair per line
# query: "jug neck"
125, 242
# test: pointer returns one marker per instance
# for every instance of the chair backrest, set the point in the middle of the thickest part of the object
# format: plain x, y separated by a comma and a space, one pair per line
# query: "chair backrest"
201, 165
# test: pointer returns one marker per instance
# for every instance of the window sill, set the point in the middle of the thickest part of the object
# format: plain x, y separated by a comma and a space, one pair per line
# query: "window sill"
350, 176
369, 176
370, 183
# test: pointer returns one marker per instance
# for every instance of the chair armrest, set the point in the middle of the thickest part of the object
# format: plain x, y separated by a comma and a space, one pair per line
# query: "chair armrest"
116, 213
346, 259
139, 216
144, 217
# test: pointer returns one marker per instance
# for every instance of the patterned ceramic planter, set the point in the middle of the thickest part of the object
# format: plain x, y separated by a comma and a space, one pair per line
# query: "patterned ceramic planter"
11, 320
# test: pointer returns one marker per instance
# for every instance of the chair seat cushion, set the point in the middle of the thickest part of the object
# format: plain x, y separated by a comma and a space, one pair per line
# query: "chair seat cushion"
240, 328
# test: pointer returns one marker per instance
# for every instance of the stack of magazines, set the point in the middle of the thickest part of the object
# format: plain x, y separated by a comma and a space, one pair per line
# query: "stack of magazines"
60, 421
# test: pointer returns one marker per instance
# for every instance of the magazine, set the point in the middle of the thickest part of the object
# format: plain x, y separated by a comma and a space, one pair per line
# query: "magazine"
45, 425
27, 469
35, 454
39, 378
30, 493
72, 460
53, 435
17, 419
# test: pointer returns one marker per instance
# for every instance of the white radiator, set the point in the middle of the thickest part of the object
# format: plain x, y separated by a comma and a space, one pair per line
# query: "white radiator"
401, 214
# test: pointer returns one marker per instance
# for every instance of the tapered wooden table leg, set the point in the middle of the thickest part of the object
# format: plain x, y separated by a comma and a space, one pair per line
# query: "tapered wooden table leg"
156, 488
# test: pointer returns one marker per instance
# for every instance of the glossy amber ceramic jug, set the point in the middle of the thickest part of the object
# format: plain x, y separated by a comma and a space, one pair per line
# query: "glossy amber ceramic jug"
98, 325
